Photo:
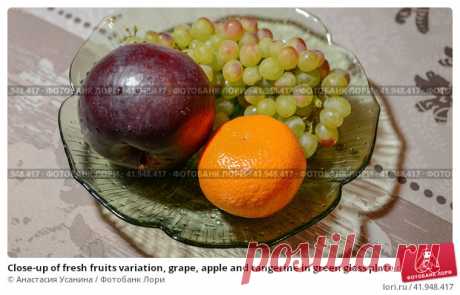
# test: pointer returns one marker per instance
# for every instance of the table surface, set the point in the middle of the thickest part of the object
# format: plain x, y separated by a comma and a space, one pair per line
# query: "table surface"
57, 218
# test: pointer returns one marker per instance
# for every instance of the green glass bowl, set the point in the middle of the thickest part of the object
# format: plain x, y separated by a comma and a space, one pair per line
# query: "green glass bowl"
177, 205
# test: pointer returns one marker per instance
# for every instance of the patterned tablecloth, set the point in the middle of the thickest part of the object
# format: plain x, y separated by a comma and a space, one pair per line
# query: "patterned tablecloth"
56, 217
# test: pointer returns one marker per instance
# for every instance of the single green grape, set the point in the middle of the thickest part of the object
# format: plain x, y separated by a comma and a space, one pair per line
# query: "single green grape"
204, 54
303, 95
219, 28
250, 55
251, 76
151, 37
296, 124
233, 71
248, 38
335, 83
209, 72
194, 44
254, 95
232, 90
267, 107
233, 29
264, 33
330, 118
309, 144
215, 41
285, 83
228, 92
298, 44
217, 63
249, 24
250, 110
264, 46
228, 50
310, 60
190, 53
166, 39
275, 48
182, 36
327, 136
225, 106
339, 104
311, 78
267, 86
288, 58
285, 106
321, 56
270, 69
220, 119
202, 29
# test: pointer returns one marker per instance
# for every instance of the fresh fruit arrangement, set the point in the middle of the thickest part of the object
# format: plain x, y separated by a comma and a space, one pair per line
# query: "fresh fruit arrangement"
253, 73
270, 102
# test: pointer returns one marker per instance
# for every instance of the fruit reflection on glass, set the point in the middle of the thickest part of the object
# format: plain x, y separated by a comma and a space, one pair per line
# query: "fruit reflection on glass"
253, 77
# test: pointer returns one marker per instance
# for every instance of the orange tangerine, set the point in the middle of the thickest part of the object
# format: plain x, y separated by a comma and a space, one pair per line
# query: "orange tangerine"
252, 166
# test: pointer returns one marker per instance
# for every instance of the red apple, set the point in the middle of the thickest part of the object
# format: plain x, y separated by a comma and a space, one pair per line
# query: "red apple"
146, 106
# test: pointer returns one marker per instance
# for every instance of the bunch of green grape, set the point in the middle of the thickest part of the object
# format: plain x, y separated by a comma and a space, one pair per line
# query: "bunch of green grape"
260, 75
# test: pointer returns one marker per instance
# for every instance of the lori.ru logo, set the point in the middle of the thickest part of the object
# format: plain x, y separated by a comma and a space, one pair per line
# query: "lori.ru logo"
426, 261
415, 263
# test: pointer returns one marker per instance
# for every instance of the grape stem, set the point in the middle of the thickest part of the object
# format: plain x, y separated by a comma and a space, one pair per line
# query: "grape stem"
309, 126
